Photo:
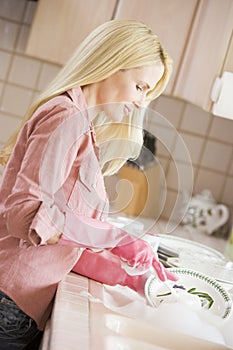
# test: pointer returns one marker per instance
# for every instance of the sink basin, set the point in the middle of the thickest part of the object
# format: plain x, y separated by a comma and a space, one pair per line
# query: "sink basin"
123, 343
126, 328
159, 338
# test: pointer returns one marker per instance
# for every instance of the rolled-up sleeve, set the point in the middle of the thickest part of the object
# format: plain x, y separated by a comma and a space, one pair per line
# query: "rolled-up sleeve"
91, 233
32, 212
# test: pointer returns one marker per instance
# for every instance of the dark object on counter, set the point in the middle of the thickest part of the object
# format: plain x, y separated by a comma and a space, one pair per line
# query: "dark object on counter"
167, 251
148, 152
168, 257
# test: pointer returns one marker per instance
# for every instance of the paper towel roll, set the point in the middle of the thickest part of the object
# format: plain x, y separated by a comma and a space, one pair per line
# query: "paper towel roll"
222, 96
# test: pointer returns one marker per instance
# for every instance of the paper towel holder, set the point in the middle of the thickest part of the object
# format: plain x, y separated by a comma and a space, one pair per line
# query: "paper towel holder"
222, 96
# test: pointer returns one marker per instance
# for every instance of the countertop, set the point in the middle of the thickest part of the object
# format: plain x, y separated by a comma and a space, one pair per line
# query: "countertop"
80, 320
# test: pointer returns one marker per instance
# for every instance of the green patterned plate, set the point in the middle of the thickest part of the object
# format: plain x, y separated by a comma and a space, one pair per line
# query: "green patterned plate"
190, 279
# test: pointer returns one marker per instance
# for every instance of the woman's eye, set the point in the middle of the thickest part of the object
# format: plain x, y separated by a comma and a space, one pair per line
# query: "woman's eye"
139, 88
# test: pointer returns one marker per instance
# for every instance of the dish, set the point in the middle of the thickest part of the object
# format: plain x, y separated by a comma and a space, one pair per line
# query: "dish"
197, 256
191, 247
157, 292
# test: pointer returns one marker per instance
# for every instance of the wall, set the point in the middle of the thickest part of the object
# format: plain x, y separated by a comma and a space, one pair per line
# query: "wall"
209, 142
208, 138
21, 77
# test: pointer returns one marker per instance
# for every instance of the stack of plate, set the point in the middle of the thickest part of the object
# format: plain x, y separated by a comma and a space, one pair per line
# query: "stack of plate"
199, 257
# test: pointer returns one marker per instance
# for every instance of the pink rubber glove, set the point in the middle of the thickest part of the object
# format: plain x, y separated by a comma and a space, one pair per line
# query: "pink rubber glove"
104, 267
138, 254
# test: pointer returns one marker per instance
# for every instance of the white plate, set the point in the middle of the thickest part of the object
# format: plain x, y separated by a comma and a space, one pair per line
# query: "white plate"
222, 302
191, 247
199, 257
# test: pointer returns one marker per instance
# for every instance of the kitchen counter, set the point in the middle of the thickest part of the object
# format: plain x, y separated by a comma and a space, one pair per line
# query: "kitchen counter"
82, 322
80, 319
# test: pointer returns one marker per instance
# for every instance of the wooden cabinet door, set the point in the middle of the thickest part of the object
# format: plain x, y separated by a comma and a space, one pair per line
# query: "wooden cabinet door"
171, 20
228, 62
196, 33
205, 53
60, 25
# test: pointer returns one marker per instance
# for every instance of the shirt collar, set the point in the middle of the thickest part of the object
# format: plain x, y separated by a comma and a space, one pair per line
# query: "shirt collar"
78, 98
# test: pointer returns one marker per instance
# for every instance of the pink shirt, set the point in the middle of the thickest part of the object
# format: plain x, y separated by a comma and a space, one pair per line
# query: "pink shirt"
52, 183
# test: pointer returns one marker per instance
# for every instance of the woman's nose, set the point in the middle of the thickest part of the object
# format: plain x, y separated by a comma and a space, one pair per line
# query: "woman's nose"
140, 104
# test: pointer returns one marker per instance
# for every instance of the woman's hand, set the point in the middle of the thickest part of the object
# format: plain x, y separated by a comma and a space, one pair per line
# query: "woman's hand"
54, 239
139, 254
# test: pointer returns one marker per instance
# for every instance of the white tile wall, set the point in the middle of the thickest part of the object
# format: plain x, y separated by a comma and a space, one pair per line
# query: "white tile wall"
180, 176
190, 144
227, 193
22, 38
222, 130
8, 34
164, 163
209, 142
12, 9
29, 12
171, 109
15, 100
1, 87
10, 124
24, 71
5, 58
231, 167
217, 156
48, 72
195, 120
171, 197
206, 179
165, 139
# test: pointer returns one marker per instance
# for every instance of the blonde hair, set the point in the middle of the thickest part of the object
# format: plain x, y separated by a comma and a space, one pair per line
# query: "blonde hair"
114, 45
118, 141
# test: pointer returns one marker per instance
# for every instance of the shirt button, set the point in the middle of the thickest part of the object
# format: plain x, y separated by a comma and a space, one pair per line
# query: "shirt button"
94, 185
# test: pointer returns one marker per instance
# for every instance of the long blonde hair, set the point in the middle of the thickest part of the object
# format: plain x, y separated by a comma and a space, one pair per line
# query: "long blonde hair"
114, 45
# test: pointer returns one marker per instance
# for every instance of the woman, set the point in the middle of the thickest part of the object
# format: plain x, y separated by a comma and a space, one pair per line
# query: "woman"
53, 203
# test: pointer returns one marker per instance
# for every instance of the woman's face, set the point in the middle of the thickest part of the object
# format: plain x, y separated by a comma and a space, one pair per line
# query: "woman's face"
123, 91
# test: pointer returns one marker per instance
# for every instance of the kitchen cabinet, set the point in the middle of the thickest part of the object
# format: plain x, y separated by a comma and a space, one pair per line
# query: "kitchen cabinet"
228, 63
170, 20
60, 25
196, 33
208, 52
